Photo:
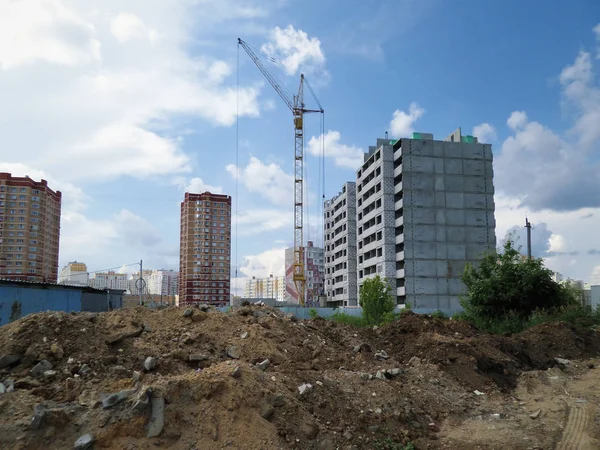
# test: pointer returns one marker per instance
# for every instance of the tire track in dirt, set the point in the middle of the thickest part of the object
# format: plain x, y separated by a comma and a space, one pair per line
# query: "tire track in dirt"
573, 434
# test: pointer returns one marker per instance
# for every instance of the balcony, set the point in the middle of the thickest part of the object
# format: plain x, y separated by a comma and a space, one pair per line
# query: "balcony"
399, 204
398, 188
400, 256
400, 291
400, 238
400, 273
397, 170
400, 221
397, 153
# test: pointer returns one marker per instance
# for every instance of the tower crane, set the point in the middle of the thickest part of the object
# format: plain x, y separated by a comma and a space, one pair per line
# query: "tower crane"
296, 105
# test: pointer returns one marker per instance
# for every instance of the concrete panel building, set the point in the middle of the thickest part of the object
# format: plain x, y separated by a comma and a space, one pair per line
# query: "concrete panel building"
442, 215
163, 282
340, 256
205, 249
109, 280
75, 274
314, 268
29, 229
268, 287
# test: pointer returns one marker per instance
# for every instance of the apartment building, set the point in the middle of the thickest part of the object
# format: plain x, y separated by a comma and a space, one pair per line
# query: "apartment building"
340, 248
109, 280
268, 287
75, 274
29, 229
315, 275
163, 282
425, 208
134, 285
205, 249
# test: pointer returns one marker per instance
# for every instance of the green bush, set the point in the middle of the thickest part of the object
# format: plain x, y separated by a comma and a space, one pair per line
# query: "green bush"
377, 300
312, 313
347, 319
439, 315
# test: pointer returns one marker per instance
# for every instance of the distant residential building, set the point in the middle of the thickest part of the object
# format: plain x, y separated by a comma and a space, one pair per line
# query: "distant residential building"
314, 269
425, 208
29, 229
557, 277
109, 280
75, 274
133, 283
340, 248
205, 249
268, 287
163, 282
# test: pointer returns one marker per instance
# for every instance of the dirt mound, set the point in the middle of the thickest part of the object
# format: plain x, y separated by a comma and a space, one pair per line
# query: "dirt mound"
252, 378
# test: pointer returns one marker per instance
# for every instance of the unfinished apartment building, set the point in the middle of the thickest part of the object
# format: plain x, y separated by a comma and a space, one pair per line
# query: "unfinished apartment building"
340, 248
205, 249
425, 208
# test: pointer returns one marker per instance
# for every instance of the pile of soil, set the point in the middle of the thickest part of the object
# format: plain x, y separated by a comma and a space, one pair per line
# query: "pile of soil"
200, 379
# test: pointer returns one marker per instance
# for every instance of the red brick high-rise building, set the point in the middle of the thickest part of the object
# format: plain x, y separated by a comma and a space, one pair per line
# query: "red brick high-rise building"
29, 229
205, 249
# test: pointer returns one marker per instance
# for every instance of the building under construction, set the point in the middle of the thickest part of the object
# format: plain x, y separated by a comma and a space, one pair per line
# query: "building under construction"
315, 275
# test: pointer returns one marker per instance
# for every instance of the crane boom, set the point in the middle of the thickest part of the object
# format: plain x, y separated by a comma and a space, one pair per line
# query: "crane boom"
298, 110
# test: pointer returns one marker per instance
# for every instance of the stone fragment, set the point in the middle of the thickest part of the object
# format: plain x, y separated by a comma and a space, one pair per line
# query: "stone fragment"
2, 389
310, 430
113, 399
197, 357
232, 352
50, 373
395, 372
157, 420
236, 372
304, 388
381, 355
244, 335
356, 349
150, 363
267, 411
40, 368
9, 360
366, 376
276, 400
263, 365
347, 435
115, 339
188, 312
85, 442
562, 361
380, 375
84, 369
57, 351
137, 376
535, 414
147, 328
204, 308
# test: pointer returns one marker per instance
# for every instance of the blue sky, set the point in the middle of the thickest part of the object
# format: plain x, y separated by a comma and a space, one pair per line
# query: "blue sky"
125, 105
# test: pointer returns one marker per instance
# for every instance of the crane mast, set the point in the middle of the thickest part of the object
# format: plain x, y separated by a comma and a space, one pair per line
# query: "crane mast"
297, 107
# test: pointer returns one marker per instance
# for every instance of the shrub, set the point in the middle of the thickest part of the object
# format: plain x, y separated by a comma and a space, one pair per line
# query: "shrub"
312, 313
438, 315
377, 300
347, 319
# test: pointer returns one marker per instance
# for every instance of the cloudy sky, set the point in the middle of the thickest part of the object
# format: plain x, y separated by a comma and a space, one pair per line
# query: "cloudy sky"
125, 105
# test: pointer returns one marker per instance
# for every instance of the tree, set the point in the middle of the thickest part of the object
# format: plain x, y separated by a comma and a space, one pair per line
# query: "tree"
377, 300
510, 285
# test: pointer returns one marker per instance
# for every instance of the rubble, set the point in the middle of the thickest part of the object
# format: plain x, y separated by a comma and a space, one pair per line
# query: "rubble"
85, 442
562, 361
327, 385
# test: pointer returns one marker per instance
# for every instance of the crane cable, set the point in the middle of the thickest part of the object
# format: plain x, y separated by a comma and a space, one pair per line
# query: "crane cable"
237, 160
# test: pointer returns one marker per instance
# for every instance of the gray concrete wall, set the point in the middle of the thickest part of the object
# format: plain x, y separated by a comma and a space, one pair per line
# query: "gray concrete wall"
448, 210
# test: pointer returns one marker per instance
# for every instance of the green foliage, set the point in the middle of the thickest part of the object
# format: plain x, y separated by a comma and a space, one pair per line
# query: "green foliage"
312, 313
390, 444
347, 319
439, 315
376, 299
508, 286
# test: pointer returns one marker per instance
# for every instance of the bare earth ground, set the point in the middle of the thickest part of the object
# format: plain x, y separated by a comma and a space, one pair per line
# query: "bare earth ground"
217, 395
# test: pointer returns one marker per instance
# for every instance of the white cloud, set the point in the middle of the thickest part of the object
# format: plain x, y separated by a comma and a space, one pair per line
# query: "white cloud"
267, 180
197, 185
255, 221
342, 154
402, 122
127, 26
485, 132
557, 243
45, 30
597, 32
517, 120
264, 264
295, 50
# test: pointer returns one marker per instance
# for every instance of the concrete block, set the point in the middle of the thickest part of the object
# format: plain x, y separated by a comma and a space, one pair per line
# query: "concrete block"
422, 216
476, 235
422, 164
440, 233
455, 200
439, 183
454, 303
455, 217
475, 184
423, 199
476, 251
457, 251
424, 268
424, 233
453, 166
425, 286
424, 250
441, 250
473, 167
456, 268
473, 151
455, 286
456, 234
487, 152
425, 301
454, 183
442, 286
438, 165
438, 149
440, 199
476, 218
440, 216
475, 201
441, 268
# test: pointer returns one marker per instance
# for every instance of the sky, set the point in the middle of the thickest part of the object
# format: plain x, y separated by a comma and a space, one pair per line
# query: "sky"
125, 106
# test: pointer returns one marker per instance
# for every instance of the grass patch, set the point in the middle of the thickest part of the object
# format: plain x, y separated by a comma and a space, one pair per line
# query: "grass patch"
347, 319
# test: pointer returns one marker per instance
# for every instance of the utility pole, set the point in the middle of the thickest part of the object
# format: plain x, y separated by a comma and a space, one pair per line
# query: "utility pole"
528, 226
141, 287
